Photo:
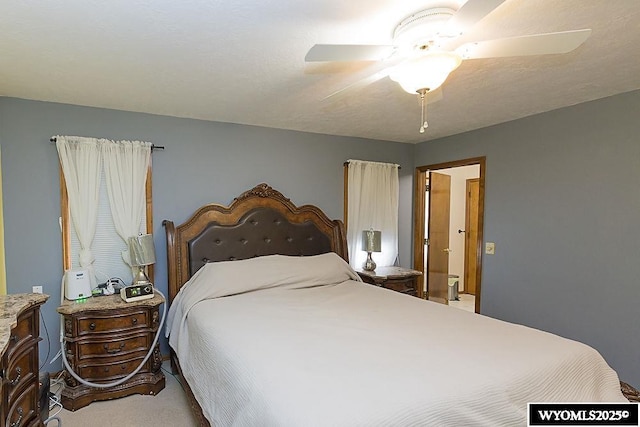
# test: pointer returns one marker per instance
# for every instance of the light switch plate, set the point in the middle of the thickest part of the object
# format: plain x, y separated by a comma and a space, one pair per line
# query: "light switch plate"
490, 248
37, 289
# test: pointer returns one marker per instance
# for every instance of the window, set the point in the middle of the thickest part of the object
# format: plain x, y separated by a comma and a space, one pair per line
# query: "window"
371, 202
107, 245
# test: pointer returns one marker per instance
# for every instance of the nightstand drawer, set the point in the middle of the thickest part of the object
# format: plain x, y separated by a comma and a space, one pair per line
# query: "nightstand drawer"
406, 286
97, 324
111, 371
114, 347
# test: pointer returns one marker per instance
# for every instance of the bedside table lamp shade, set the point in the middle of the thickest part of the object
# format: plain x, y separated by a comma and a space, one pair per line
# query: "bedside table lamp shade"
141, 253
371, 242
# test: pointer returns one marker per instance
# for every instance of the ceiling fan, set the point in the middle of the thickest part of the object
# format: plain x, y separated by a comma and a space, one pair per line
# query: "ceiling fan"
425, 50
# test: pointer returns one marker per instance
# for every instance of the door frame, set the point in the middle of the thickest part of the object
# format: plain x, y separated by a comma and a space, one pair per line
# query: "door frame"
420, 188
467, 227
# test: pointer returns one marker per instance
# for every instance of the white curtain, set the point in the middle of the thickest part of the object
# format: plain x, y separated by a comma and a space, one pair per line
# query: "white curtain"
81, 161
372, 203
125, 167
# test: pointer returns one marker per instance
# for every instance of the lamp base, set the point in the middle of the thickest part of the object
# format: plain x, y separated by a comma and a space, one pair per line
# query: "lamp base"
369, 264
141, 277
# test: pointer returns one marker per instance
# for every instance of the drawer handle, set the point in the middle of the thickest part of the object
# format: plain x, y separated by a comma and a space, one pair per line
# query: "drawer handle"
114, 350
16, 379
92, 326
135, 320
17, 422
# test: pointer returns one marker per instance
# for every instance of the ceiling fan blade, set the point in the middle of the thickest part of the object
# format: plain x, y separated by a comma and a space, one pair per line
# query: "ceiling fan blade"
348, 52
358, 84
368, 76
537, 44
470, 13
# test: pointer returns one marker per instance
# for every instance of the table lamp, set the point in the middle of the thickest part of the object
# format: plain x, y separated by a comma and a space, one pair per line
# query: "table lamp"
371, 242
141, 253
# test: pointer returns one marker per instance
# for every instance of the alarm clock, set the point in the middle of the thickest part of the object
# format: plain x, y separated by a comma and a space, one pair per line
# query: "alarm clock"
136, 292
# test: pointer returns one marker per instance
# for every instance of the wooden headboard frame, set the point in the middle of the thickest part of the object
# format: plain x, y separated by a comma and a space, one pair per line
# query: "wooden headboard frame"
259, 222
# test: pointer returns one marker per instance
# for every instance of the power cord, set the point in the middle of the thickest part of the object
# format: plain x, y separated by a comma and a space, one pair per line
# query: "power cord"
110, 287
55, 399
53, 402
58, 385
45, 422
48, 342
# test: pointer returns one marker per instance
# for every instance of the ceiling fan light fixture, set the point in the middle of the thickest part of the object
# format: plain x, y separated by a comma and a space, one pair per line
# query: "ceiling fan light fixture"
425, 72
422, 29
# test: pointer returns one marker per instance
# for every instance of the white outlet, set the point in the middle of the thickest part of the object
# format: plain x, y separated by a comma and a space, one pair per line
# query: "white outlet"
489, 248
37, 289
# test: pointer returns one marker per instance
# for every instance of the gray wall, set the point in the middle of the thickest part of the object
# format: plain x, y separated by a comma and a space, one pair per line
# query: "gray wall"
203, 162
562, 204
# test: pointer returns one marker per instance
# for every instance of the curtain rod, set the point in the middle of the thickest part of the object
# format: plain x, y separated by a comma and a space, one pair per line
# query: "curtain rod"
347, 164
153, 146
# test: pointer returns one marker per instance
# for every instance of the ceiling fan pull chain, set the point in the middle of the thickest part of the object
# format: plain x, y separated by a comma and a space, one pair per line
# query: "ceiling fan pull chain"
423, 120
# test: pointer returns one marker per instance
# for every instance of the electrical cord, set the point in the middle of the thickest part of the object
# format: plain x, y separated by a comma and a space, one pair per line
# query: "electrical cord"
122, 380
56, 386
55, 401
45, 422
48, 343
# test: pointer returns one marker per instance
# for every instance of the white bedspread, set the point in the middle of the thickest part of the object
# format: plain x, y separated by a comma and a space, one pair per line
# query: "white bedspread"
352, 354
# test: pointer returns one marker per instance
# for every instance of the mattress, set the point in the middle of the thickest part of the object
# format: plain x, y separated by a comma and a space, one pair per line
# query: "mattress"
345, 353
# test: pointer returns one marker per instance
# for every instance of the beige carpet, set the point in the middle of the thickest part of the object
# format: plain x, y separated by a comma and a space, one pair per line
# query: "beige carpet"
168, 408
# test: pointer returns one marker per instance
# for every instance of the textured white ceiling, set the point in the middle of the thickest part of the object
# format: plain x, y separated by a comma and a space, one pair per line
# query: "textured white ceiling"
243, 61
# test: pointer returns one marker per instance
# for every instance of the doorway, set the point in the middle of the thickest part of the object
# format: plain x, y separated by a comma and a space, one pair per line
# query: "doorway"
433, 224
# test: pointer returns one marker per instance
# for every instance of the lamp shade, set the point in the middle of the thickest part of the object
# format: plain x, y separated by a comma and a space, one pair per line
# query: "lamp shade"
425, 72
371, 241
141, 250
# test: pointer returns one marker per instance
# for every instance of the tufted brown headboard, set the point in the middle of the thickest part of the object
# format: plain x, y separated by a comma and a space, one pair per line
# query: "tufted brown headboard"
259, 222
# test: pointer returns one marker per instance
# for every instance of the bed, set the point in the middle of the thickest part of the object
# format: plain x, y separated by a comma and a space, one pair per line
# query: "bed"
268, 325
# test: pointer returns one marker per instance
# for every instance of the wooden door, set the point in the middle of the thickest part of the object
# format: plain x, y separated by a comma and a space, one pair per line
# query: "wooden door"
438, 254
471, 249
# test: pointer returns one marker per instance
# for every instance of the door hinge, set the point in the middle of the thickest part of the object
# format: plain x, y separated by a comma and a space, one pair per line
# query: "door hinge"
426, 242
427, 188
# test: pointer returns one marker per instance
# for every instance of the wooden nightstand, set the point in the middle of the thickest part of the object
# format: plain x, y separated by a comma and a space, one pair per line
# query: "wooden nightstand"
107, 339
399, 279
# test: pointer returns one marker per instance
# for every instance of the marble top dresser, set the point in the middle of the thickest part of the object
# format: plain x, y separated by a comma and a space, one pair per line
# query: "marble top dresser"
10, 307
19, 337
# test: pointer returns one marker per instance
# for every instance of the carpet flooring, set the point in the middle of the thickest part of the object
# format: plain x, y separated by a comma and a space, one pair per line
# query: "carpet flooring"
168, 408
